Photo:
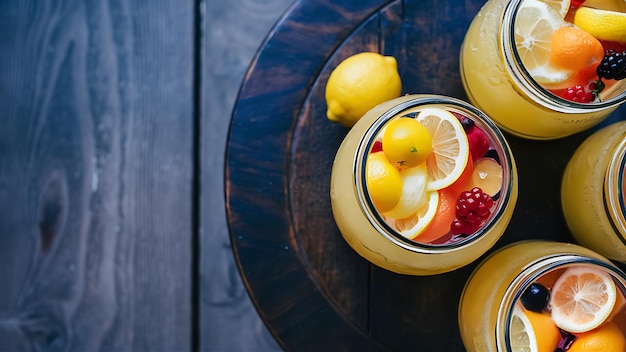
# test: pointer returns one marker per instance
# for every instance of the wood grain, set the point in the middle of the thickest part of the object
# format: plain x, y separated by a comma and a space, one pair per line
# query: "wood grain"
95, 175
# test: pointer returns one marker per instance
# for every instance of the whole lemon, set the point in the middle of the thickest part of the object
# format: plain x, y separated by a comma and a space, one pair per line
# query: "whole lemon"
359, 83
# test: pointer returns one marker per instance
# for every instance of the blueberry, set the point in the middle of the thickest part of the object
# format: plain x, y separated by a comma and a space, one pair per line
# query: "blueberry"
536, 297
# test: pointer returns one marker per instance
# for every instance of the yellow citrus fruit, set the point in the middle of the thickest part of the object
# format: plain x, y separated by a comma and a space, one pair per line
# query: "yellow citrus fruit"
416, 223
611, 5
607, 338
602, 24
450, 147
414, 181
574, 49
406, 142
384, 183
535, 25
359, 83
561, 6
532, 332
582, 298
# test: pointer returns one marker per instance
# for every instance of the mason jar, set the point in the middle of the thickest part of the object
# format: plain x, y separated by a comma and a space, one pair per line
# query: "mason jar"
592, 192
494, 290
497, 82
376, 237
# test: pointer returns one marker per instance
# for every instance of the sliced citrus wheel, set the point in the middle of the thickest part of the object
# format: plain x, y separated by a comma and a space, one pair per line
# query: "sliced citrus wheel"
535, 25
582, 298
532, 332
415, 224
561, 6
450, 147
442, 220
413, 196
602, 24
607, 338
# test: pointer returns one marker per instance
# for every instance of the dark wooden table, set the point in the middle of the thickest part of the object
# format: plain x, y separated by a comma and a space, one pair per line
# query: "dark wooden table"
114, 119
311, 289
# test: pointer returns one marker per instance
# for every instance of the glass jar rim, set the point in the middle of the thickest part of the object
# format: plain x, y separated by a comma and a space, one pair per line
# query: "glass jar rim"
531, 273
523, 79
367, 141
614, 201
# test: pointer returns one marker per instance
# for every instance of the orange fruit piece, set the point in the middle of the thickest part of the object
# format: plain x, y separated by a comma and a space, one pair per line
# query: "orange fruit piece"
445, 214
406, 142
607, 338
463, 183
582, 298
487, 176
533, 332
574, 49
383, 181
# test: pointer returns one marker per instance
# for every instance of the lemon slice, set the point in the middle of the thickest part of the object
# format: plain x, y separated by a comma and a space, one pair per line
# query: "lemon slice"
413, 196
536, 23
532, 332
602, 24
416, 223
561, 6
582, 299
450, 151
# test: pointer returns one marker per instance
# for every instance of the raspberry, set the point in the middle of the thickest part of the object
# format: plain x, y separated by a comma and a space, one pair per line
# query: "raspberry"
578, 93
613, 65
473, 208
377, 147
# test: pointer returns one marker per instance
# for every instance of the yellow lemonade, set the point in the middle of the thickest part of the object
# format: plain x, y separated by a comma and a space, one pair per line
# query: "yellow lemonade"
592, 192
420, 231
517, 299
530, 103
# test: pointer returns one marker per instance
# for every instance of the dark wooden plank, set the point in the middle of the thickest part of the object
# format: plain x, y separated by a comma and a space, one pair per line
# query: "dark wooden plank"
96, 175
233, 31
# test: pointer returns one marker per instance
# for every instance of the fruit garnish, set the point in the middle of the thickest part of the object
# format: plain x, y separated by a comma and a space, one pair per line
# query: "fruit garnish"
413, 197
582, 298
567, 339
464, 182
613, 65
532, 332
574, 49
478, 142
602, 24
534, 28
442, 220
535, 298
487, 176
472, 208
607, 338
577, 94
415, 224
561, 6
384, 183
377, 147
407, 143
577, 3
450, 147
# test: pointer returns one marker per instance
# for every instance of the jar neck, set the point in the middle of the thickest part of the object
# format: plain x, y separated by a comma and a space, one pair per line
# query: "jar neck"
522, 80
529, 275
615, 190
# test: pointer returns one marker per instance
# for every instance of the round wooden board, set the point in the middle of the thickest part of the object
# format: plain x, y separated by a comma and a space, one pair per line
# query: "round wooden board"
310, 288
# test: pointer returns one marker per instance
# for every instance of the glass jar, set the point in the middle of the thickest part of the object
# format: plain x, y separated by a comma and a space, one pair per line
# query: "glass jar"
497, 82
370, 234
592, 192
494, 288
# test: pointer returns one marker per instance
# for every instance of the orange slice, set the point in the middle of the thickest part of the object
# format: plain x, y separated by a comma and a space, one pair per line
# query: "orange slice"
450, 147
416, 223
607, 338
582, 299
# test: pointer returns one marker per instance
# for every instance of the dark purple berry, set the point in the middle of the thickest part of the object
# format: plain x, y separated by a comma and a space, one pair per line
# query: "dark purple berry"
613, 65
535, 297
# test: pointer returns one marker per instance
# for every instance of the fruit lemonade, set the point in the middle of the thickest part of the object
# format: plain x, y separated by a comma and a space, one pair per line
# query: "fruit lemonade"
592, 192
573, 57
542, 295
434, 175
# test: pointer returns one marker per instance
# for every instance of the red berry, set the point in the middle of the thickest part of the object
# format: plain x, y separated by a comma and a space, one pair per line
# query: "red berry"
576, 93
473, 208
574, 4
478, 142
377, 147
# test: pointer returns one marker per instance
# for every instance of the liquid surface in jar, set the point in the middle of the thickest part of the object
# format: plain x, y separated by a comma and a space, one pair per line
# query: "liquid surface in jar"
578, 307
434, 175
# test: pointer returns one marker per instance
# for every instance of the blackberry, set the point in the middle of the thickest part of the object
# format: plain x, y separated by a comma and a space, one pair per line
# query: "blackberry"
613, 65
